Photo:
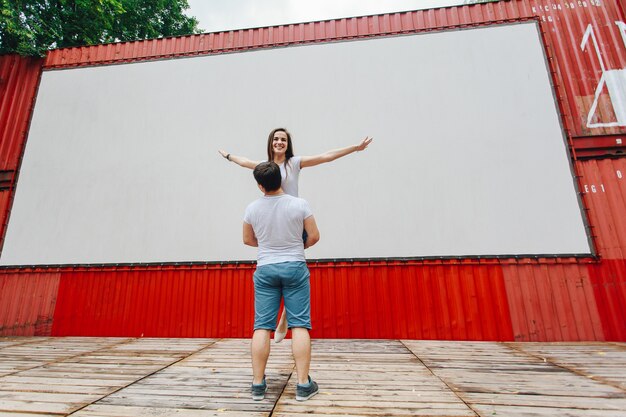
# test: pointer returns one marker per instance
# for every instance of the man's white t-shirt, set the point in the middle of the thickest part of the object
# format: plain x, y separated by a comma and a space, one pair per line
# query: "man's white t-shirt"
278, 222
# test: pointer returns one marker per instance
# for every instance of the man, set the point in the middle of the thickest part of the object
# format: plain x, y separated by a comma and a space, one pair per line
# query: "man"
274, 223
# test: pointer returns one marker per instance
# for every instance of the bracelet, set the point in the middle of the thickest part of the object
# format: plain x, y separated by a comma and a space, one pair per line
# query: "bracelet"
228, 157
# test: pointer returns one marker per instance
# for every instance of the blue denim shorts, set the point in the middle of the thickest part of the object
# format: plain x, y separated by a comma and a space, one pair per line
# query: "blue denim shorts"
289, 280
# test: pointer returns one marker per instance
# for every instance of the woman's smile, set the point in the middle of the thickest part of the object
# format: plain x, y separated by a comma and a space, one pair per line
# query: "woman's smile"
280, 142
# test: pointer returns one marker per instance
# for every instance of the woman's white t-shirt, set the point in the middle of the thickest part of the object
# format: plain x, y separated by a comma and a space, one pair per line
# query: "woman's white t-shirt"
290, 175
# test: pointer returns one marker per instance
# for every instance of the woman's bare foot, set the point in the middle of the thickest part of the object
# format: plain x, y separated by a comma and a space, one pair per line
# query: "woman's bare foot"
281, 329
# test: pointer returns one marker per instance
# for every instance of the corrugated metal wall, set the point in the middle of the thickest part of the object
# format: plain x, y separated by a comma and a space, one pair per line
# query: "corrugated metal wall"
417, 300
580, 70
181, 301
19, 78
552, 301
514, 299
604, 183
524, 300
27, 302
18, 82
435, 300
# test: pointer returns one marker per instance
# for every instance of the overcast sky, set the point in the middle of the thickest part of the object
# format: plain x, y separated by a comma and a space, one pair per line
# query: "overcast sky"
218, 15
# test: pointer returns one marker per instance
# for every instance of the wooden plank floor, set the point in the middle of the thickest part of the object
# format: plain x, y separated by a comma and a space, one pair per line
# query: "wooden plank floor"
97, 377
513, 380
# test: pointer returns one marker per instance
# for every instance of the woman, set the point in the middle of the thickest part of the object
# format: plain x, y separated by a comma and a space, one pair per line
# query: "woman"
280, 150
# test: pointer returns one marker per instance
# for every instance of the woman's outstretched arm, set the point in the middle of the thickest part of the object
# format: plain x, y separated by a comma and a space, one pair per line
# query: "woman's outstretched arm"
239, 160
311, 161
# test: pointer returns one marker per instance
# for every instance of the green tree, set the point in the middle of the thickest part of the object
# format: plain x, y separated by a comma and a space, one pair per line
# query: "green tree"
31, 27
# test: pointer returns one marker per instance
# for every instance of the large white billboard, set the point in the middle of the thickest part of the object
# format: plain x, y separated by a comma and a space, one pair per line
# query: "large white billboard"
468, 158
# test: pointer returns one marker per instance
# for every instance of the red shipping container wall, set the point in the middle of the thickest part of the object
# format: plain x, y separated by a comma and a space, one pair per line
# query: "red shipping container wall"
552, 302
588, 40
349, 300
27, 302
506, 299
604, 184
19, 77
176, 301
415, 300
524, 300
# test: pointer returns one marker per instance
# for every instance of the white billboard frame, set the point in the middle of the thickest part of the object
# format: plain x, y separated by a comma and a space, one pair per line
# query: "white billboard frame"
63, 242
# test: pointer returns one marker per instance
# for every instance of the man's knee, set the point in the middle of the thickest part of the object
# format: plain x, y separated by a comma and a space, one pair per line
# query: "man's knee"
260, 333
300, 333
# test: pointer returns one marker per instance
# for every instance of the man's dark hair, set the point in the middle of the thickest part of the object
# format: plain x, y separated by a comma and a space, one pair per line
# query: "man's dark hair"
267, 174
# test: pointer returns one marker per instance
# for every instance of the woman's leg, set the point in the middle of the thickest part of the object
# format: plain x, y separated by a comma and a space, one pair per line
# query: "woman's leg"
281, 329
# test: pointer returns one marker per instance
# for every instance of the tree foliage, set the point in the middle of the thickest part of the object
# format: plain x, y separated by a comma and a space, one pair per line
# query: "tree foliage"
31, 27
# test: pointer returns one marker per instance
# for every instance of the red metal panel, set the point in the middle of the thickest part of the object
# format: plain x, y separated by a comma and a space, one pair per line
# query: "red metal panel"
525, 300
566, 23
609, 285
430, 300
18, 82
552, 301
350, 300
5, 199
242, 39
598, 146
27, 302
19, 77
167, 301
604, 184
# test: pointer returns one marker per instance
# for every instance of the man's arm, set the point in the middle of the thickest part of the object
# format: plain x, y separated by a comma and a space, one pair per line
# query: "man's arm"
313, 234
248, 235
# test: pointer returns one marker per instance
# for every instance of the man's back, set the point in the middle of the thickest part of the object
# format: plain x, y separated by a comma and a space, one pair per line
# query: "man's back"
278, 223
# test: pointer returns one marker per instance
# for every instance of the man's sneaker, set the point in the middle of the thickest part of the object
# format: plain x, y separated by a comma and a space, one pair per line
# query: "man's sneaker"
259, 390
306, 391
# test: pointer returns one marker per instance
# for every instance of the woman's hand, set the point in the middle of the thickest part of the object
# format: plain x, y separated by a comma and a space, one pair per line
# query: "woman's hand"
239, 160
364, 143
